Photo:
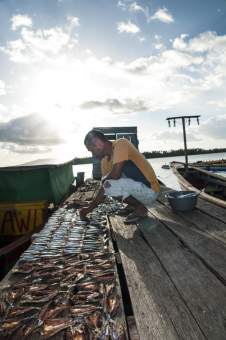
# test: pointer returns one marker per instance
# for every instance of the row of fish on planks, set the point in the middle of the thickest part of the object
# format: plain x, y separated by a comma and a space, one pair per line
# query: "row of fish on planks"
68, 270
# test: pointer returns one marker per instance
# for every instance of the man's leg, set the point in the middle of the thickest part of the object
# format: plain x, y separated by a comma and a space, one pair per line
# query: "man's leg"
132, 204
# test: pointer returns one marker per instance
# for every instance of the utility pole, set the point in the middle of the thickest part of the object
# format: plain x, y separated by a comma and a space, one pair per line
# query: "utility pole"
184, 132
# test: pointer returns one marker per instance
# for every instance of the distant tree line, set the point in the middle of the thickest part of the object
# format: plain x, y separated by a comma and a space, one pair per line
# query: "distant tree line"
85, 160
180, 152
158, 154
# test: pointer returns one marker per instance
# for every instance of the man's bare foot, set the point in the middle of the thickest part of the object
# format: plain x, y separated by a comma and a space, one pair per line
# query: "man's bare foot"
137, 214
128, 209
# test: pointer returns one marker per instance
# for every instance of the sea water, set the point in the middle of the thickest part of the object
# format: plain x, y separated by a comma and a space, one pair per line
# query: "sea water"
164, 175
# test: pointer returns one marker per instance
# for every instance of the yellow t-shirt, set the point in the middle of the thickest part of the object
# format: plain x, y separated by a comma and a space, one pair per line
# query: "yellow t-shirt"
136, 166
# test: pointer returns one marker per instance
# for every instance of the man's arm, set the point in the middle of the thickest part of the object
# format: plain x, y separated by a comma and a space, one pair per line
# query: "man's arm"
97, 200
115, 173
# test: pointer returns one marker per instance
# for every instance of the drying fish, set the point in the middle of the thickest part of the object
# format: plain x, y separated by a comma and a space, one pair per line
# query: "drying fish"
34, 288
97, 334
54, 326
51, 278
109, 288
44, 310
93, 320
12, 325
26, 331
11, 296
54, 311
23, 283
15, 311
90, 286
82, 298
96, 268
38, 297
78, 333
3, 308
79, 277
83, 309
104, 277
23, 271
113, 305
102, 288
120, 333
70, 276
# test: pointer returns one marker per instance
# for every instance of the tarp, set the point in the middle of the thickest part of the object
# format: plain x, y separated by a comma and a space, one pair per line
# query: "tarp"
35, 183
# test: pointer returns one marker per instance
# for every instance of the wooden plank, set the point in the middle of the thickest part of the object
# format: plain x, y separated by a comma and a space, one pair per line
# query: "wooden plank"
133, 333
159, 311
207, 248
202, 292
119, 317
207, 223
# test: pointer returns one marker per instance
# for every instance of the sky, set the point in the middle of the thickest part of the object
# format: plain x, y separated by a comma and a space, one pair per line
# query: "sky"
67, 66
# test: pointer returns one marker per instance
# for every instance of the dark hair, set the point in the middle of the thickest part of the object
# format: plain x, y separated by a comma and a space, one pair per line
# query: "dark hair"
92, 134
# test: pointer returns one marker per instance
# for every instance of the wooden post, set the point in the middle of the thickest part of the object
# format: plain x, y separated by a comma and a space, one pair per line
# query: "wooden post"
185, 145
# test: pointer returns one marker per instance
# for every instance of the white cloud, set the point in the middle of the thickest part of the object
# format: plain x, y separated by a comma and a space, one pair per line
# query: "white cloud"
31, 130
34, 45
128, 28
123, 106
158, 46
204, 42
20, 20
136, 8
73, 20
163, 15
14, 148
213, 128
157, 37
219, 103
121, 4
2, 88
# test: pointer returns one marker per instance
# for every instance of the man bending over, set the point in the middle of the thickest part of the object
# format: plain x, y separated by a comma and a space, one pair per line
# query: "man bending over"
127, 176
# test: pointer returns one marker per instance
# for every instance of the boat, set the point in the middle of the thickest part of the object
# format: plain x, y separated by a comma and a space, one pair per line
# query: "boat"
216, 165
196, 179
27, 192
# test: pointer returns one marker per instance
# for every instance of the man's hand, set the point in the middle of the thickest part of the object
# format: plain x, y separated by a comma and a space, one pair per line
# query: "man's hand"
84, 211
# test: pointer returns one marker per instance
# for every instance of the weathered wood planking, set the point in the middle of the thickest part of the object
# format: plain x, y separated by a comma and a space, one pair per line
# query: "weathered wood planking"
119, 317
200, 289
203, 221
159, 311
207, 248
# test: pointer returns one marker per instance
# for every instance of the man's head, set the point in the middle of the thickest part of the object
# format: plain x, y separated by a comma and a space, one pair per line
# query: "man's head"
95, 141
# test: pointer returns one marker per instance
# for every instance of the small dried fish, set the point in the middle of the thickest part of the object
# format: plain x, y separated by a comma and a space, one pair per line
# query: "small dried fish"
3, 308
83, 309
26, 331
54, 326
120, 333
39, 296
90, 286
11, 295
78, 333
15, 311
82, 298
11, 325
93, 320
113, 305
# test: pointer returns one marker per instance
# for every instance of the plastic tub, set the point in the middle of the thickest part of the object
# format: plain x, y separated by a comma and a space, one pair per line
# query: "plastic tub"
179, 202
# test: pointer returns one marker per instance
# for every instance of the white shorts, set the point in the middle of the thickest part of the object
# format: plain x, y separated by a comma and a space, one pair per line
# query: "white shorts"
126, 186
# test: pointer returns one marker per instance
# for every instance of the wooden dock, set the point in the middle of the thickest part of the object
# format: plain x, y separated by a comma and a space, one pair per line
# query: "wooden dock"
175, 271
